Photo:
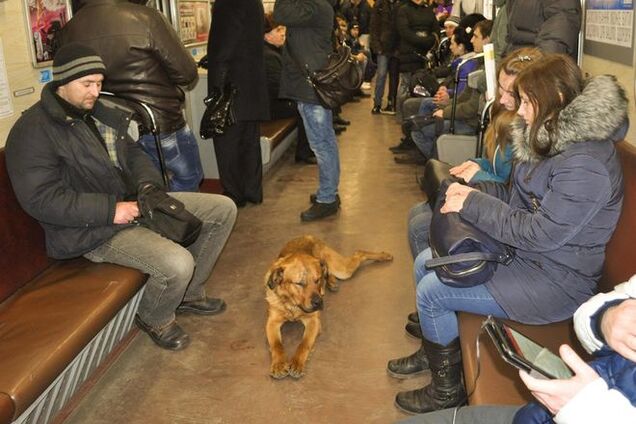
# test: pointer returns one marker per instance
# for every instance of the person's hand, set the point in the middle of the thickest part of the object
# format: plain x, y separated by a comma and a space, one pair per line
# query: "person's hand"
441, 98
360, 57
619, 328
466, 170
455, 197
439, 113
125, 212
554, 394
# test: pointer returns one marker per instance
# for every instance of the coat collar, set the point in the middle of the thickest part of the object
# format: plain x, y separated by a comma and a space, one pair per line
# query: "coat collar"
596, 114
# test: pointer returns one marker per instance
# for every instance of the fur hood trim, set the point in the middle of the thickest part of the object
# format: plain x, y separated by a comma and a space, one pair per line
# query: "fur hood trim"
596, 114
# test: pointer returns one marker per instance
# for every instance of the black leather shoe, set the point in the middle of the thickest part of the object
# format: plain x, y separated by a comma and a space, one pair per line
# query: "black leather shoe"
414, 318
411, 159
409, 366
339, 128
319, 211
310, 160
405, 145
338, 120
413, 330
312, 198
207, 306
171, 337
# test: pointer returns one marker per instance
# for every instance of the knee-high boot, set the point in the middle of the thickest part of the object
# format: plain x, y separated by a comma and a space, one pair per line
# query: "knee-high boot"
408, 366
447, 387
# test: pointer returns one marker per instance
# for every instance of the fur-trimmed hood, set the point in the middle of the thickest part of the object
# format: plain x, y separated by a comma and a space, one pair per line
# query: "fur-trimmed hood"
596, 114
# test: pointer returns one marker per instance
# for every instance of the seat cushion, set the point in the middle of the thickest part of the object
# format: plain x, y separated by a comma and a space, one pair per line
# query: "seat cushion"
276, 131
49, 321
498, 382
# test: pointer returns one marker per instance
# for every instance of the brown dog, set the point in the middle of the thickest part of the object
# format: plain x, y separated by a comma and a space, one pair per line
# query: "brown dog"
295, 285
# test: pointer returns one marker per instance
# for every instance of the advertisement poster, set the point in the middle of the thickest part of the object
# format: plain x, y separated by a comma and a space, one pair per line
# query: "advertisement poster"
6, 106
194, 22
610, 22
44, 19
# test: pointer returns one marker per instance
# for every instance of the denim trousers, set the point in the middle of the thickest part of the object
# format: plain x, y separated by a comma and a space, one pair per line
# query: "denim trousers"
419, 222
318, 123
426, 137
421, 106
175, 273
181, 153
482, 414
437, 303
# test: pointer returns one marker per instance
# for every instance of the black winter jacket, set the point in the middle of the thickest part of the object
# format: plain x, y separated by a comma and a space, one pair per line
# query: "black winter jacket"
551, 25
384, 34
144, 57
419, 30
309, 26
360, 14
63, 177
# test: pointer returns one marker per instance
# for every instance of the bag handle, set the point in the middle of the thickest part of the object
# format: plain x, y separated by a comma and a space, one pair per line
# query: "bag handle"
503, 258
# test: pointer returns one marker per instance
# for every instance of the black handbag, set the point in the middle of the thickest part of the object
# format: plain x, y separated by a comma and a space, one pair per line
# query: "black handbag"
337, 81
167, 216
435, 172
218, 115
463, 255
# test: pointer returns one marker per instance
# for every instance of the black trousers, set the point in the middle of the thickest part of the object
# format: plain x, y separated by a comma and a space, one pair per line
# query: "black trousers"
238, 157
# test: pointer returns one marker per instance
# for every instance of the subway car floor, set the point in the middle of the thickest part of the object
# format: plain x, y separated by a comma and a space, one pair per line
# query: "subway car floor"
222, 377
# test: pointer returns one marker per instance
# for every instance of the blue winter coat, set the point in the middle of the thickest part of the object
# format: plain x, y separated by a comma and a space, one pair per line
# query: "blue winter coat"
560, 211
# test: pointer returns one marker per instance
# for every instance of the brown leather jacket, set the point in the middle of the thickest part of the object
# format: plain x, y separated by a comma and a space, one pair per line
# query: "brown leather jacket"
145, 59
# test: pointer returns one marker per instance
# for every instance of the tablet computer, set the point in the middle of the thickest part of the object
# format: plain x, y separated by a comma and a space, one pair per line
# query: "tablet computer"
525, 354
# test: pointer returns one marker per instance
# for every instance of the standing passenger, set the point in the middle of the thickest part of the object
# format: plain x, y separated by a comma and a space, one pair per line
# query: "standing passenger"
309, 25
235, 56
146, 62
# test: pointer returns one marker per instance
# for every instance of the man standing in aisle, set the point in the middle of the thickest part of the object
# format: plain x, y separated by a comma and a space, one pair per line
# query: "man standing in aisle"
309, 26
75, 166
235, 57
146, 62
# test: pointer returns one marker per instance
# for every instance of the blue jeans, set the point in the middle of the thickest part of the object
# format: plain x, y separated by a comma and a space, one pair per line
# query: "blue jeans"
380, 79
426, 137
181, 153
437, 303
419, 222
318, 123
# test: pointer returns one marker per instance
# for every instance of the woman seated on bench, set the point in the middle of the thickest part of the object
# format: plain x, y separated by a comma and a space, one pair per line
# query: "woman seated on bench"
559, 213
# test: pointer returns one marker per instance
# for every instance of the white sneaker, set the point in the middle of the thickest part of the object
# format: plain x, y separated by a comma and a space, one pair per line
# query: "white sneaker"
366, 86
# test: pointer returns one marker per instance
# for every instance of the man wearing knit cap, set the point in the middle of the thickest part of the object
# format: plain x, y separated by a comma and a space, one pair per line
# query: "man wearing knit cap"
76, 167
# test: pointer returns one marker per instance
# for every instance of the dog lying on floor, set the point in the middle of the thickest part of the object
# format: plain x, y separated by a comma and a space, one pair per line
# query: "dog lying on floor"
295, 286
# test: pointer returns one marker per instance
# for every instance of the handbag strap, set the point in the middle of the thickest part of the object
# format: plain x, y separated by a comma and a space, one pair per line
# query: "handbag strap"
503, 258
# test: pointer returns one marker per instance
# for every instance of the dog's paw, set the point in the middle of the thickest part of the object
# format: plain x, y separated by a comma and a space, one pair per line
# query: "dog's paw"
296, 369
279, 370
333, 287
386, 256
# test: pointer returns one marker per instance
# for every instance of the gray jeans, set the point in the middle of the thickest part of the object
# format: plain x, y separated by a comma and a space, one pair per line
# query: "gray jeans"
176, 273
487, 414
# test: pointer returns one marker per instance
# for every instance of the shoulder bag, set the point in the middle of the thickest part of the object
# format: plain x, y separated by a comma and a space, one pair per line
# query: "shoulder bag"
337, 81
463, 255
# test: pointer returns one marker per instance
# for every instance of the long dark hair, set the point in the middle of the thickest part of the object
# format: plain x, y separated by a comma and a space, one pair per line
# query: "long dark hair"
550, 84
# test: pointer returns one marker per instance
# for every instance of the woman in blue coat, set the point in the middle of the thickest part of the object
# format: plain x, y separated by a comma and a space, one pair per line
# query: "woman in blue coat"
559, 213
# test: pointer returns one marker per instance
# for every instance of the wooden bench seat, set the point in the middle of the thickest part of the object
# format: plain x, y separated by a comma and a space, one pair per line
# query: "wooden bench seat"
498, 382
276, 137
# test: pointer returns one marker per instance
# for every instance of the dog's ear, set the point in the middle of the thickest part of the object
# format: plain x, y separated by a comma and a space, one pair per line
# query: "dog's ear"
275, 277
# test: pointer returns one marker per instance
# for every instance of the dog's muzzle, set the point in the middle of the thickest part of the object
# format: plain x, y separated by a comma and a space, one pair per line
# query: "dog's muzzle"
316, 304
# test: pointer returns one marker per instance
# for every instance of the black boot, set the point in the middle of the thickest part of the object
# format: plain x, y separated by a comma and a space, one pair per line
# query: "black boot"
409, 366
414, 317
405, 145
447, 387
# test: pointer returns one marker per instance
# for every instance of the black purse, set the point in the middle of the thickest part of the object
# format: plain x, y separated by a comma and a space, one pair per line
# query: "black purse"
463, 255
435, 173
218, 115
337, 81
167, 216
